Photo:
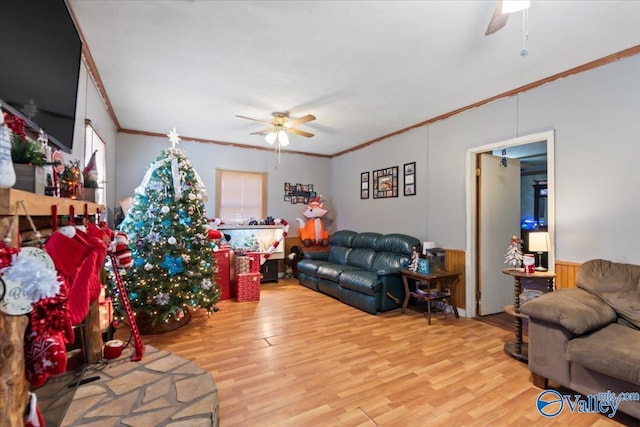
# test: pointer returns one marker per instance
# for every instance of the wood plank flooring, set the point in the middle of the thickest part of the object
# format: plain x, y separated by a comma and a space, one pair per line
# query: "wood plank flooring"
301, 358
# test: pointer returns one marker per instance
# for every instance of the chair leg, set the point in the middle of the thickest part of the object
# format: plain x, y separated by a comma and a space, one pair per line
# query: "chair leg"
539, 381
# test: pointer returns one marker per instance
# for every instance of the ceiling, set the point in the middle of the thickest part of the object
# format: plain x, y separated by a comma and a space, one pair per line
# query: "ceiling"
365, 69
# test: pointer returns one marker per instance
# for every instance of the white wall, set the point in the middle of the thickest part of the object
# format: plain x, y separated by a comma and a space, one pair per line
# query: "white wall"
137, 152
595, 116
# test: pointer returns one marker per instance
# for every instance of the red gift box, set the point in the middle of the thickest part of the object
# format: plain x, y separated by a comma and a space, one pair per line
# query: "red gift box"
254, 262
248, 287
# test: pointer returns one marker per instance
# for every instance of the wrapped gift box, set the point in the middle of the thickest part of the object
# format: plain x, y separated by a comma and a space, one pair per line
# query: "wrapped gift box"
248, 287
242, 264
254, 263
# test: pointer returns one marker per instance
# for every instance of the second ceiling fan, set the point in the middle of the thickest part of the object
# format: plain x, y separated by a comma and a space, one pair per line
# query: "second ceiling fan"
280, 125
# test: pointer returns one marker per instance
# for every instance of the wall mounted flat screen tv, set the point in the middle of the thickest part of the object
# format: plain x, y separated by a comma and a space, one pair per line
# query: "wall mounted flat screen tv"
40, 56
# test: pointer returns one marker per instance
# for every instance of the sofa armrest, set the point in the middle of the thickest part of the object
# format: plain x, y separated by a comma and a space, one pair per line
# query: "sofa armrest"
575, 309
320, 255
386, 271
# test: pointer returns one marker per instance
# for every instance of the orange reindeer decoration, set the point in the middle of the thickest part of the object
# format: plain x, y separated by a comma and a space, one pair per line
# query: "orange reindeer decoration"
313, 232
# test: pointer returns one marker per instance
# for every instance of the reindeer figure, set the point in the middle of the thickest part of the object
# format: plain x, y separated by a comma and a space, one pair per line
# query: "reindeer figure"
313, 232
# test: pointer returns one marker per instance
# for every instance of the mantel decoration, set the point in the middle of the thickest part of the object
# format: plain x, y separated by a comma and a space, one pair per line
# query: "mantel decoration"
385, 183
90, 179
90, 173
298, 193
364, 185
410, 179
23, 149
70, 180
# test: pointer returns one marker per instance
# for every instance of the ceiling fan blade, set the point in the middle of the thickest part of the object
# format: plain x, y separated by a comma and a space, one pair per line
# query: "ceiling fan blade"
300, 120
255, 120
498, 19
262, 132
299, 132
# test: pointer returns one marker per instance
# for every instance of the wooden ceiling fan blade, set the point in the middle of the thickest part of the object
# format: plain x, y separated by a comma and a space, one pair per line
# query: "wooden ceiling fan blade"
255, 120
498, 19
300, 120
299, 132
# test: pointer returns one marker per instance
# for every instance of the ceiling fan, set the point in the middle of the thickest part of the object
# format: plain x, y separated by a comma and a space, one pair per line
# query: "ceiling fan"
502, 11
279, 126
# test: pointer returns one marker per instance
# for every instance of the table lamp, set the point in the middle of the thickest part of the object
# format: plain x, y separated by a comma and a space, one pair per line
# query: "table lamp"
539, 242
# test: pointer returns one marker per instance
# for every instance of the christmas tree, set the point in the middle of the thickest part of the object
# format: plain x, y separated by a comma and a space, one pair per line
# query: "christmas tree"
514, 253
173, 264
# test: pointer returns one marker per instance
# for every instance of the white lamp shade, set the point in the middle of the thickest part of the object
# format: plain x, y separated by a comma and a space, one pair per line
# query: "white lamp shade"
270, 138
539, 241
283, 138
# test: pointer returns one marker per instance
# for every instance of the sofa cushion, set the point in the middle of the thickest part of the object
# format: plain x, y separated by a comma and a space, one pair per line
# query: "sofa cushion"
397, 243
338, 254
616, 284
613, 350
310, 266
575, 309
361, 258
365, 240
364, 282
342, 238
332, 271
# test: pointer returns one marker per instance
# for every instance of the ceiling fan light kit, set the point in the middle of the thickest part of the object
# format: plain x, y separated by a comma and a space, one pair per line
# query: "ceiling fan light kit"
279, 126
270, 138
510, 6
502, 11
283, 139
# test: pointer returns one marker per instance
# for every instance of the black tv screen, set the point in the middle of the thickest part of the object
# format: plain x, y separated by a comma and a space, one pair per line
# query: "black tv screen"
40, 55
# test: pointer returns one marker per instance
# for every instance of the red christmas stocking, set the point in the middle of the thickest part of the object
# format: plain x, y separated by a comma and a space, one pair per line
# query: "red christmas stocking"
88, 273
101, 242
33, 416
76, 259
45, 355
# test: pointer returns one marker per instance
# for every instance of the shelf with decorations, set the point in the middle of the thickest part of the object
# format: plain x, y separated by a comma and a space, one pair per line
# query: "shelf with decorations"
21, 207
39, 205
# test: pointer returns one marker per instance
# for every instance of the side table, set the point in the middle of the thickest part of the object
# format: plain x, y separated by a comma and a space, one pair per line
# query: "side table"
431, 294
519, 349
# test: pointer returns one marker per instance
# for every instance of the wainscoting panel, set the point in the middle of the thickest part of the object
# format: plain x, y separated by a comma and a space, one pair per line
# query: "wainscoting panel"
455, 261
566, 274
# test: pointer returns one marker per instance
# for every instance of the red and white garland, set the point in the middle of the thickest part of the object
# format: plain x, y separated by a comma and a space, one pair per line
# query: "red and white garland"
273, 247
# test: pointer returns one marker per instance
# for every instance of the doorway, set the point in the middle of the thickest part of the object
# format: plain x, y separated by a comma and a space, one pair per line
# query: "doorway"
474, 260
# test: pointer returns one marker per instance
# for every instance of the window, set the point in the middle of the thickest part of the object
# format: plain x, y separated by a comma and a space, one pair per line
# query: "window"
93, 143
240, 196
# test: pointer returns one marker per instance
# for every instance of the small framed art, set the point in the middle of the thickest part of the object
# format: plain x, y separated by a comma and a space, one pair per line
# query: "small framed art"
364, 185
385, 183
410, 179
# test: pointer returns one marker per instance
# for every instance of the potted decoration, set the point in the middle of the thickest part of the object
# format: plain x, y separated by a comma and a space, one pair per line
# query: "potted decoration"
70, 180
28, 157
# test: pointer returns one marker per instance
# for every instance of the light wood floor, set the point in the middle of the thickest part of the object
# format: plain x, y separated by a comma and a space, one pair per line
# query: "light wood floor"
301, 358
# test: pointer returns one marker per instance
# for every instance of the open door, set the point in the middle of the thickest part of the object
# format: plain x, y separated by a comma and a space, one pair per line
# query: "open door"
498, 193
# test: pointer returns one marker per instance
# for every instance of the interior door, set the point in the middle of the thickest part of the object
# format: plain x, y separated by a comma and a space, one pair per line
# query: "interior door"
498, 220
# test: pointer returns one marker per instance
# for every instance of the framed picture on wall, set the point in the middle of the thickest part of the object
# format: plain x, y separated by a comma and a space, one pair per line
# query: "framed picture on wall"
364, 185
385, 183
410, 179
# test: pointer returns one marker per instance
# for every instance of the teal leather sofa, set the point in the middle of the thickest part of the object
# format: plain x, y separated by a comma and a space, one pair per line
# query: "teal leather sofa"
360, 269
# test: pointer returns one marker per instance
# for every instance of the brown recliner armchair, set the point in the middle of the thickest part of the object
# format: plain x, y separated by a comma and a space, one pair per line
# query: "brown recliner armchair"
588, 338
